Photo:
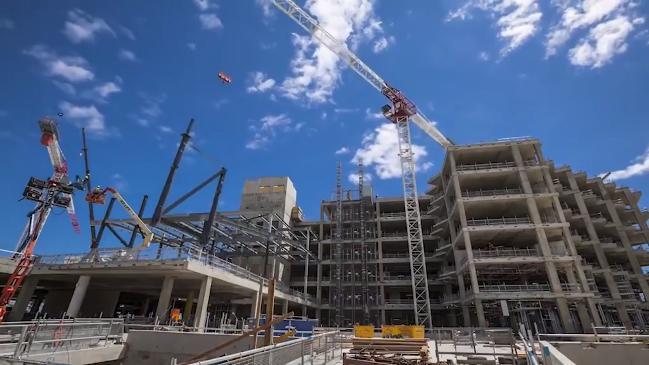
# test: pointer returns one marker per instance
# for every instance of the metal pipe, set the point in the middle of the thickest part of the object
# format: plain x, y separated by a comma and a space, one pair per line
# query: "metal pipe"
91, 208
103, 223
208, 226
140, 213
157, 215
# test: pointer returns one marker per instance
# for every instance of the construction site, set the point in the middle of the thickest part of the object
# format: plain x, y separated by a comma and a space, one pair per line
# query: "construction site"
502, 257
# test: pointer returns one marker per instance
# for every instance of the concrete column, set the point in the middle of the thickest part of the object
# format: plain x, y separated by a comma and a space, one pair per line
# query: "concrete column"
78, 295
165, 297
254, 305
145, 306
22, 300
550, 267
379, 251
480, 313
318, 292
285, 306
564, 315
619, 226
599, 252
446, 187
189, 305
203, 300
584, 318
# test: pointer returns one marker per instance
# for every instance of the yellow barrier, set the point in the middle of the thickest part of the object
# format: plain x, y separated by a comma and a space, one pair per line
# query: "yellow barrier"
401, 331
417, 332
364, 331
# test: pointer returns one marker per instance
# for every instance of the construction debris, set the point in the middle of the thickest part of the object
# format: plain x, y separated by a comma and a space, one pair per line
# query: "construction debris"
387, 351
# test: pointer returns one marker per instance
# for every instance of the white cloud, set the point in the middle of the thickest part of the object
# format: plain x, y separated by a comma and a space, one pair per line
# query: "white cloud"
609, 24
380, 149
259, 83
353, 178
127, 32
210, 21
85, 116
382, 44
370, 115
345, 110
639, 166
107, 88
578, 14
81, 26
315, 69
517, 20
191, 46
204, 5
118, 182
602, 43
258, 141
342, 151
126, 55
268, 127
271, 121
150, 109
72, 69
483, 56
65, 87
6, 23
266, 6
165, 129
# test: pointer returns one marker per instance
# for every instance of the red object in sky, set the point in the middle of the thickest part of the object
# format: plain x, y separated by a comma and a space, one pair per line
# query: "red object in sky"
224, 77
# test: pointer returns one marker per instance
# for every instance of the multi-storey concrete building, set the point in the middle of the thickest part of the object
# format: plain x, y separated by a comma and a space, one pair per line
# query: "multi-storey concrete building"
509, 238
531, 243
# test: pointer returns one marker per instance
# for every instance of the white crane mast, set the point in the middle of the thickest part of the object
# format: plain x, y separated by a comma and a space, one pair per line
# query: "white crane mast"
399, 113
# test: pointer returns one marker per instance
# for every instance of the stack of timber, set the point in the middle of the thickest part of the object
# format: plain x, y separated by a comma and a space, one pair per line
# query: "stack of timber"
369, 351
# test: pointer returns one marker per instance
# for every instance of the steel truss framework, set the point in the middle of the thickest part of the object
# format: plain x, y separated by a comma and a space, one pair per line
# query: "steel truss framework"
225, 234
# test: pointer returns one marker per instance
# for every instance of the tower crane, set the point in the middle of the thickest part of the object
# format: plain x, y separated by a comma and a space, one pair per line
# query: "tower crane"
55, 192
399, 112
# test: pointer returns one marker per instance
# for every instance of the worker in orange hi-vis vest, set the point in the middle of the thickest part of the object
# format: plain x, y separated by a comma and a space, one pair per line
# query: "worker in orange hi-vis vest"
175, 315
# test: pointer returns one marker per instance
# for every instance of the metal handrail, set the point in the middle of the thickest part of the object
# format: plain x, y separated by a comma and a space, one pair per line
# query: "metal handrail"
506, 252
498, 221
485, 166
513, 287
491, 192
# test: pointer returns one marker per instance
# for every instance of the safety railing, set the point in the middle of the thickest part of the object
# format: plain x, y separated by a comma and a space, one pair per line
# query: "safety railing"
486, 166
319, 349
393, 277
398, 301
393, 215
480, 192
395, 255
50, 336
498, 221
505, 252
156, 253
570, 287
513, 287
394, 234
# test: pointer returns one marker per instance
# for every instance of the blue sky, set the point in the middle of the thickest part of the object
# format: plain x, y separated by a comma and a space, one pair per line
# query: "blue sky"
573, 73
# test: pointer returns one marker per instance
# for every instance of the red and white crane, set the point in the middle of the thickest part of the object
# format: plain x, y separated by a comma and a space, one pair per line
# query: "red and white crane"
399, 112
55, 192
